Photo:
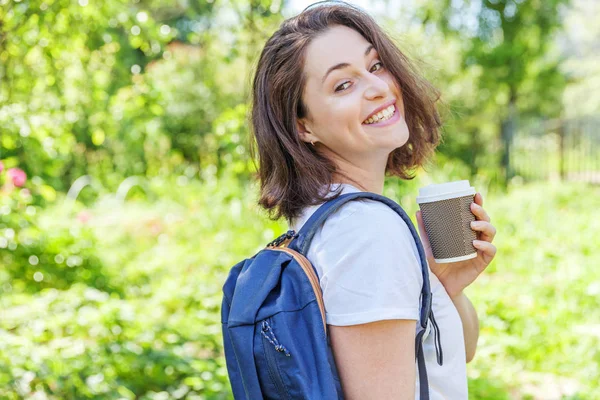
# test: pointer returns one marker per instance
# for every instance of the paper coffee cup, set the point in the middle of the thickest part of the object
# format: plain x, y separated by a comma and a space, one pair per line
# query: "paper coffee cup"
447, 216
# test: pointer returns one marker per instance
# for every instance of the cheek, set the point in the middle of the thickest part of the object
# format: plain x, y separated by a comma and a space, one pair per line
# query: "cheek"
350, 108
341, 113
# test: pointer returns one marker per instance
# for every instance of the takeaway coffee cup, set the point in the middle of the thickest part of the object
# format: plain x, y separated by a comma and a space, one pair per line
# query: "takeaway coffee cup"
447, 216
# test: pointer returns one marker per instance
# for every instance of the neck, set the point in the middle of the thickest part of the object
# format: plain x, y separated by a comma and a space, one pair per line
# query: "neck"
366, 177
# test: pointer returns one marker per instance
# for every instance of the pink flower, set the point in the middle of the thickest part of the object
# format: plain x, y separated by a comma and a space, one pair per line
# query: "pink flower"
17, 175
1, 167
84, 216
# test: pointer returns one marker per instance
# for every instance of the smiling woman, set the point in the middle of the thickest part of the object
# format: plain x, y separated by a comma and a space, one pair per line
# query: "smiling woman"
337, 107
319, 79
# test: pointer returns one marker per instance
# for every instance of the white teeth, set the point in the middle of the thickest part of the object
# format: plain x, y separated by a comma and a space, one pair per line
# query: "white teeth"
381, 115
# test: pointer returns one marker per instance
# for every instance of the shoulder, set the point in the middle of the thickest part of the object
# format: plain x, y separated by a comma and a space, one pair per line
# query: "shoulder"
364, 233
368, 264
373, 219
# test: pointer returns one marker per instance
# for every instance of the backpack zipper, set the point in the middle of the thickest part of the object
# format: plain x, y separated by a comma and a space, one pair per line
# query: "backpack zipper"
271, 361
282, 238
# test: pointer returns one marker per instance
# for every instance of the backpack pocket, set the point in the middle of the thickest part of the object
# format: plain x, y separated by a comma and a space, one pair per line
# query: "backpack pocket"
272, 350
291, 356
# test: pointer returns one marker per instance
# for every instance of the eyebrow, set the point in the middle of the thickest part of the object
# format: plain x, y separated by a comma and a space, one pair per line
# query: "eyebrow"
343, 65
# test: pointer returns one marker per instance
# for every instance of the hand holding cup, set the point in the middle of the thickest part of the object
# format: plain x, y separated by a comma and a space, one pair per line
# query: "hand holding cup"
461, 232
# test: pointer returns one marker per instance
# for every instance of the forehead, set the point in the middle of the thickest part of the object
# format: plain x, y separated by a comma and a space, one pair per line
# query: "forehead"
336, 45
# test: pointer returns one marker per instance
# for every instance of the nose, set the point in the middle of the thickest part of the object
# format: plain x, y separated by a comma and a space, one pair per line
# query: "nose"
376, 87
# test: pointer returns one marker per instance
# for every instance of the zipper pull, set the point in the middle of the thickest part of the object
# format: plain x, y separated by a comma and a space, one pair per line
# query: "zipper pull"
282, 349
264, 330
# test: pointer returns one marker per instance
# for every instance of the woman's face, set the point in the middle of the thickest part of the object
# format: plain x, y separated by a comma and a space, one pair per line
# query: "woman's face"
346, 83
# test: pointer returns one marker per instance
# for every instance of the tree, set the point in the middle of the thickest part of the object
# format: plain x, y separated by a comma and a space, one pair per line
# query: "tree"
508, 42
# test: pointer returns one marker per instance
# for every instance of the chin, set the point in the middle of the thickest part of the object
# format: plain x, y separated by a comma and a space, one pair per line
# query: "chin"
394, 143
404, 140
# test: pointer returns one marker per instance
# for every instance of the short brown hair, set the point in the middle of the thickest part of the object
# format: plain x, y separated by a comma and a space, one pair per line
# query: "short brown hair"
292, 173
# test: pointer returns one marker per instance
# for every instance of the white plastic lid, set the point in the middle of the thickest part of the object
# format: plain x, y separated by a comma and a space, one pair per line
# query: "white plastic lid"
444, 191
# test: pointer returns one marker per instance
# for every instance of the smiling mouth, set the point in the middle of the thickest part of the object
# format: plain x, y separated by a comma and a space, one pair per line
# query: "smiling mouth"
381, 116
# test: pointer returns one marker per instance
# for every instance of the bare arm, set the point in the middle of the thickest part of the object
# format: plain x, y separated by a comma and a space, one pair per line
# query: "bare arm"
376, 360
470, 323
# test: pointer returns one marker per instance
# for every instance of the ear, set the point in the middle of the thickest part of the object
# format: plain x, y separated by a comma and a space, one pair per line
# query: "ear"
304, 131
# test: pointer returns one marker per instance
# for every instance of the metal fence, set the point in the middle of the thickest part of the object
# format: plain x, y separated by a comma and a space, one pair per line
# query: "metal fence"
559, 149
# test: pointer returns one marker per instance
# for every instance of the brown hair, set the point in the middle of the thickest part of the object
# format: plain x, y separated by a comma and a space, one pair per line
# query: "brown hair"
292, 173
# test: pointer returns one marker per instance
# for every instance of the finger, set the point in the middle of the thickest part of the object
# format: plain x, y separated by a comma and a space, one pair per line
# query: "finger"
486, 249
479, 212
487, 230
478, 199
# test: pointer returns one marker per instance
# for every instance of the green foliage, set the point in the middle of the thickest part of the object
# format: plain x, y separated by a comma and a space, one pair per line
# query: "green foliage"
509, 43
500, 67
35, 255
63, 66
161, 337
114, 89
538, 300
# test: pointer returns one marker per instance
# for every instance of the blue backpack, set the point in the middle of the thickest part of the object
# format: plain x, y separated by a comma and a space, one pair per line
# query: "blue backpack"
275, 335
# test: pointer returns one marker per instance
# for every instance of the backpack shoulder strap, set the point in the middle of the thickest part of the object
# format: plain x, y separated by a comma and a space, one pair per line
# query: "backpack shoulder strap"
303, 238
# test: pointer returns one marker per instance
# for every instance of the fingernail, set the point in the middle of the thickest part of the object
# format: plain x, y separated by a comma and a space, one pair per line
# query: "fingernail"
473, 224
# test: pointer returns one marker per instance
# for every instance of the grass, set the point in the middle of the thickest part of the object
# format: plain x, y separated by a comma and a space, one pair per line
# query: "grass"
538, 300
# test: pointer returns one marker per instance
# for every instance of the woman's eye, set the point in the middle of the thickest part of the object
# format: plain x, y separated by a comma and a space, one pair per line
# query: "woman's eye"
378, 63
340, 87
337, 89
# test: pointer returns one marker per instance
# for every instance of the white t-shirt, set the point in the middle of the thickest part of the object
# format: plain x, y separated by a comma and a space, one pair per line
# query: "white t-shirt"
369, 270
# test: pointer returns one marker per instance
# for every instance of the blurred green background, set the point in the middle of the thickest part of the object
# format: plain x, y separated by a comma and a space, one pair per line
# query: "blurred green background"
127, 191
